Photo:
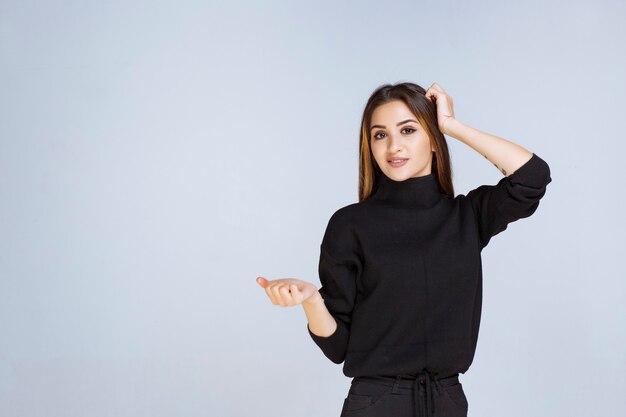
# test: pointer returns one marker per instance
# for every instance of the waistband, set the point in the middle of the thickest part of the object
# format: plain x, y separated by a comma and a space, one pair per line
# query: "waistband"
422, 383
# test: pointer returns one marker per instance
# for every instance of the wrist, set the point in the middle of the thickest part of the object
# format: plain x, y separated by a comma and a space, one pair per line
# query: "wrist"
315, 299
450, 125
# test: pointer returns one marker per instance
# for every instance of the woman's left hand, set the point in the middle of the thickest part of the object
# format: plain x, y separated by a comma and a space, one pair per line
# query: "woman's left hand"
445, 112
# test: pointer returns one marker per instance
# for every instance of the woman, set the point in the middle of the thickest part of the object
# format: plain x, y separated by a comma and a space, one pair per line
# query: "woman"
401, 273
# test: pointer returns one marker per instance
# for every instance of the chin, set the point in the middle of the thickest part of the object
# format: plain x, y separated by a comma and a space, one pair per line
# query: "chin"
397, 176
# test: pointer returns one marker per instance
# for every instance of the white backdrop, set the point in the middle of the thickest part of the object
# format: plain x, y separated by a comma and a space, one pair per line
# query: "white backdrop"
156, 157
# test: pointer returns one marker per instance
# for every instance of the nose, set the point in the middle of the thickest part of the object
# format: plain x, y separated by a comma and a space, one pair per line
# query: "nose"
392, 143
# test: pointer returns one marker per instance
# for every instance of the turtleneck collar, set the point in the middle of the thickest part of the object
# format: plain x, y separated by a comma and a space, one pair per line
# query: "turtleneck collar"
422, 192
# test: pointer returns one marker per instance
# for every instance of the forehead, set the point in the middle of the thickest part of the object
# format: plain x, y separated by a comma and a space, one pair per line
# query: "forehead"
391, 111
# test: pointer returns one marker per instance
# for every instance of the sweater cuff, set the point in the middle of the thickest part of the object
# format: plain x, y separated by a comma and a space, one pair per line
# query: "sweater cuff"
535, 173
333, 346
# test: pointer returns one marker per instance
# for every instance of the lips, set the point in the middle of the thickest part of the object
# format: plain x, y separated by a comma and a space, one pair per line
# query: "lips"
397, 162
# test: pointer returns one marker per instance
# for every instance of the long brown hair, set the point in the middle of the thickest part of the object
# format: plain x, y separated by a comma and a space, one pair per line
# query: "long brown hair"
425, 111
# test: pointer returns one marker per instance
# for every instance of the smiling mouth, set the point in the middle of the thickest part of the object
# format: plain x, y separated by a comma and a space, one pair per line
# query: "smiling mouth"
397, 162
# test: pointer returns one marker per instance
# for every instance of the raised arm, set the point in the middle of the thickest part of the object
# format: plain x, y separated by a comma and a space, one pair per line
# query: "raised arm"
516, 195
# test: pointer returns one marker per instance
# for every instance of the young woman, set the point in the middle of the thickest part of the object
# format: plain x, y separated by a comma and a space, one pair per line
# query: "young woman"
401, 272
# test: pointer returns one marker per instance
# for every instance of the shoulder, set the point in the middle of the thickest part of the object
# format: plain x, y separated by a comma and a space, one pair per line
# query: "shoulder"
341, 235
352, 217
344, 215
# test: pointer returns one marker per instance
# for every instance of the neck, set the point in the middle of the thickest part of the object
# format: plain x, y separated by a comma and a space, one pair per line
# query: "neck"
422, 191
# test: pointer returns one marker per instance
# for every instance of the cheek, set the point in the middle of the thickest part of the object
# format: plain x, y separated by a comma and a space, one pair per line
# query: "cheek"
377, 150
421, 146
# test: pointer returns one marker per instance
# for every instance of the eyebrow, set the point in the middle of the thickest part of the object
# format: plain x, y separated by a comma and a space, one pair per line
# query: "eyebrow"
401, 123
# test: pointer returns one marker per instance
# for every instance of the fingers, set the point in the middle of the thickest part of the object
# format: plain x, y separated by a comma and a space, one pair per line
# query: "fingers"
270, 291
296, 295
281, 294
437, 87
432, 94
434, 91
285, 296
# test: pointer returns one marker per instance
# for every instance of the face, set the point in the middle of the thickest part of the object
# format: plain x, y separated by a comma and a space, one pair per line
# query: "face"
397, 135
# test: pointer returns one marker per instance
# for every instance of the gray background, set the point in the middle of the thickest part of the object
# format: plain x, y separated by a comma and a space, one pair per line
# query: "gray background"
156, 157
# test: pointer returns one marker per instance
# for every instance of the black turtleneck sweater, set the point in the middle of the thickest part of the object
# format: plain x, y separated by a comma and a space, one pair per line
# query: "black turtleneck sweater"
401, 271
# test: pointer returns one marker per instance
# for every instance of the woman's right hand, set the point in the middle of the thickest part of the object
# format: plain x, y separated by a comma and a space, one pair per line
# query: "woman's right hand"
288, 292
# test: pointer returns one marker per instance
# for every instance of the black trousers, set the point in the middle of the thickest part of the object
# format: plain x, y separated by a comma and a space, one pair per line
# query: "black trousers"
418, 395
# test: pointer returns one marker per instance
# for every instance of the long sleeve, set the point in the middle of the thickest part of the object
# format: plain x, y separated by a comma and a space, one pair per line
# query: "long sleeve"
512, 198
339, 266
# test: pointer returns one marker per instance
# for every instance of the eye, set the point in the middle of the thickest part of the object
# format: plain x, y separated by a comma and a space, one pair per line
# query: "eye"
409, 129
